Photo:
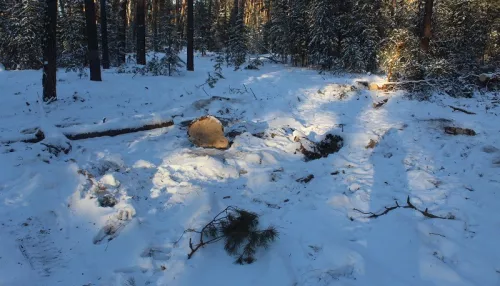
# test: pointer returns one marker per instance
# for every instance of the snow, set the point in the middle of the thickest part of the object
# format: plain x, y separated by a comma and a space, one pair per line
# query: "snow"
54, 232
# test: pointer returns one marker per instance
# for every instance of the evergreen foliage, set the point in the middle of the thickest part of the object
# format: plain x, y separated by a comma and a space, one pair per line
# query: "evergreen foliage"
331, 35
72, 41
239, 230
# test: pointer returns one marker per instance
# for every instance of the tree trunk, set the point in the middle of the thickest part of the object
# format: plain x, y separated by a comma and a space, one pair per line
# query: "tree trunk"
104, 36
190, 36
427, 26
155, 25
122, 32
49, 55
141, 32
93, 48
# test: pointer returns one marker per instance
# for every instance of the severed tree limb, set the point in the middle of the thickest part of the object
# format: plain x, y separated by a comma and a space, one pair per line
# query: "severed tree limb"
461, 110
409, 205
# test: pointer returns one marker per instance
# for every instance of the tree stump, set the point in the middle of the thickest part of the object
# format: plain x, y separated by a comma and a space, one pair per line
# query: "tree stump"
208, 132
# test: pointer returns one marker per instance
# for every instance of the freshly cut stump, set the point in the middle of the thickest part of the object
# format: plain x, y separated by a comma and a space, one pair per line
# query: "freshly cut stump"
208, 132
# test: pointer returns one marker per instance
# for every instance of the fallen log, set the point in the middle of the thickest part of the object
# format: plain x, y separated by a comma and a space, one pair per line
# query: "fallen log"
118, 131
75, 135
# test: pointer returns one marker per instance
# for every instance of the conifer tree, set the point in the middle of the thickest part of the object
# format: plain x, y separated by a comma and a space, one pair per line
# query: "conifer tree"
23, 31
93, 50
72, 43
237, 44
279, 30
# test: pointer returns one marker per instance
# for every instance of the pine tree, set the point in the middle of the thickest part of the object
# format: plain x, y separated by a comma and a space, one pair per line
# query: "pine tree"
93, 49
72, 41
170, 40
220, 26
23, 31
190, 35
104, 34
50, 51
279, 29
325, 33
361, 36
140, 22
299, 32
202, 20
237, 44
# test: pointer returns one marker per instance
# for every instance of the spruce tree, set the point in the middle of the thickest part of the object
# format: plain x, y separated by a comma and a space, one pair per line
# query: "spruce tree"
50, 51
279, 29
237, 44
299, 32
93, 50
23, 31
72, 43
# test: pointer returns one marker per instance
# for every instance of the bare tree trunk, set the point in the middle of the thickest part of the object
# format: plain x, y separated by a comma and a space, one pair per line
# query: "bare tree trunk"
104, 36
155, 24
190, 36
93, 48
141, 32
427, 26
49, 55
122, 32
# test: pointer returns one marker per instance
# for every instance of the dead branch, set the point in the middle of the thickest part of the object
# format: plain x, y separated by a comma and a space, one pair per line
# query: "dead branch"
380, 103
461, 110
409, 205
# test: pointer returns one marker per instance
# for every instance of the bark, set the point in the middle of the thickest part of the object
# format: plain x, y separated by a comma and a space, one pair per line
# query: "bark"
49, 55
104, 36
155, 25
93, 48
190, 36
122, 32
141, 32
427, 26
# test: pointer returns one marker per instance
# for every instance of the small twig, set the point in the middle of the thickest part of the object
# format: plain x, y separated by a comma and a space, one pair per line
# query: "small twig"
432, 233
205, 91
461, 110
254, 94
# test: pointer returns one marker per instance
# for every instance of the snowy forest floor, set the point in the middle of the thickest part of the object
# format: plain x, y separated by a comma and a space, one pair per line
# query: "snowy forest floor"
53, 231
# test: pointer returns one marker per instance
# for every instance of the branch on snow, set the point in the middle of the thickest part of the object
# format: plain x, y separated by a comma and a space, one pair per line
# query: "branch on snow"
408, 205
461, 110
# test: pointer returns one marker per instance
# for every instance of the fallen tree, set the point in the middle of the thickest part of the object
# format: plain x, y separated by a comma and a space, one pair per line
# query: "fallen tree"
39, 135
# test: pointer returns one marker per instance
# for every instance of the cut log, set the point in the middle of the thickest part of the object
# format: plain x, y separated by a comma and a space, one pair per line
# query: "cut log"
373, 86
208, 132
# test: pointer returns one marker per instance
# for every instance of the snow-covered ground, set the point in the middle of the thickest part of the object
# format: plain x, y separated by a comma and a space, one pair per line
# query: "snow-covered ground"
53, 231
